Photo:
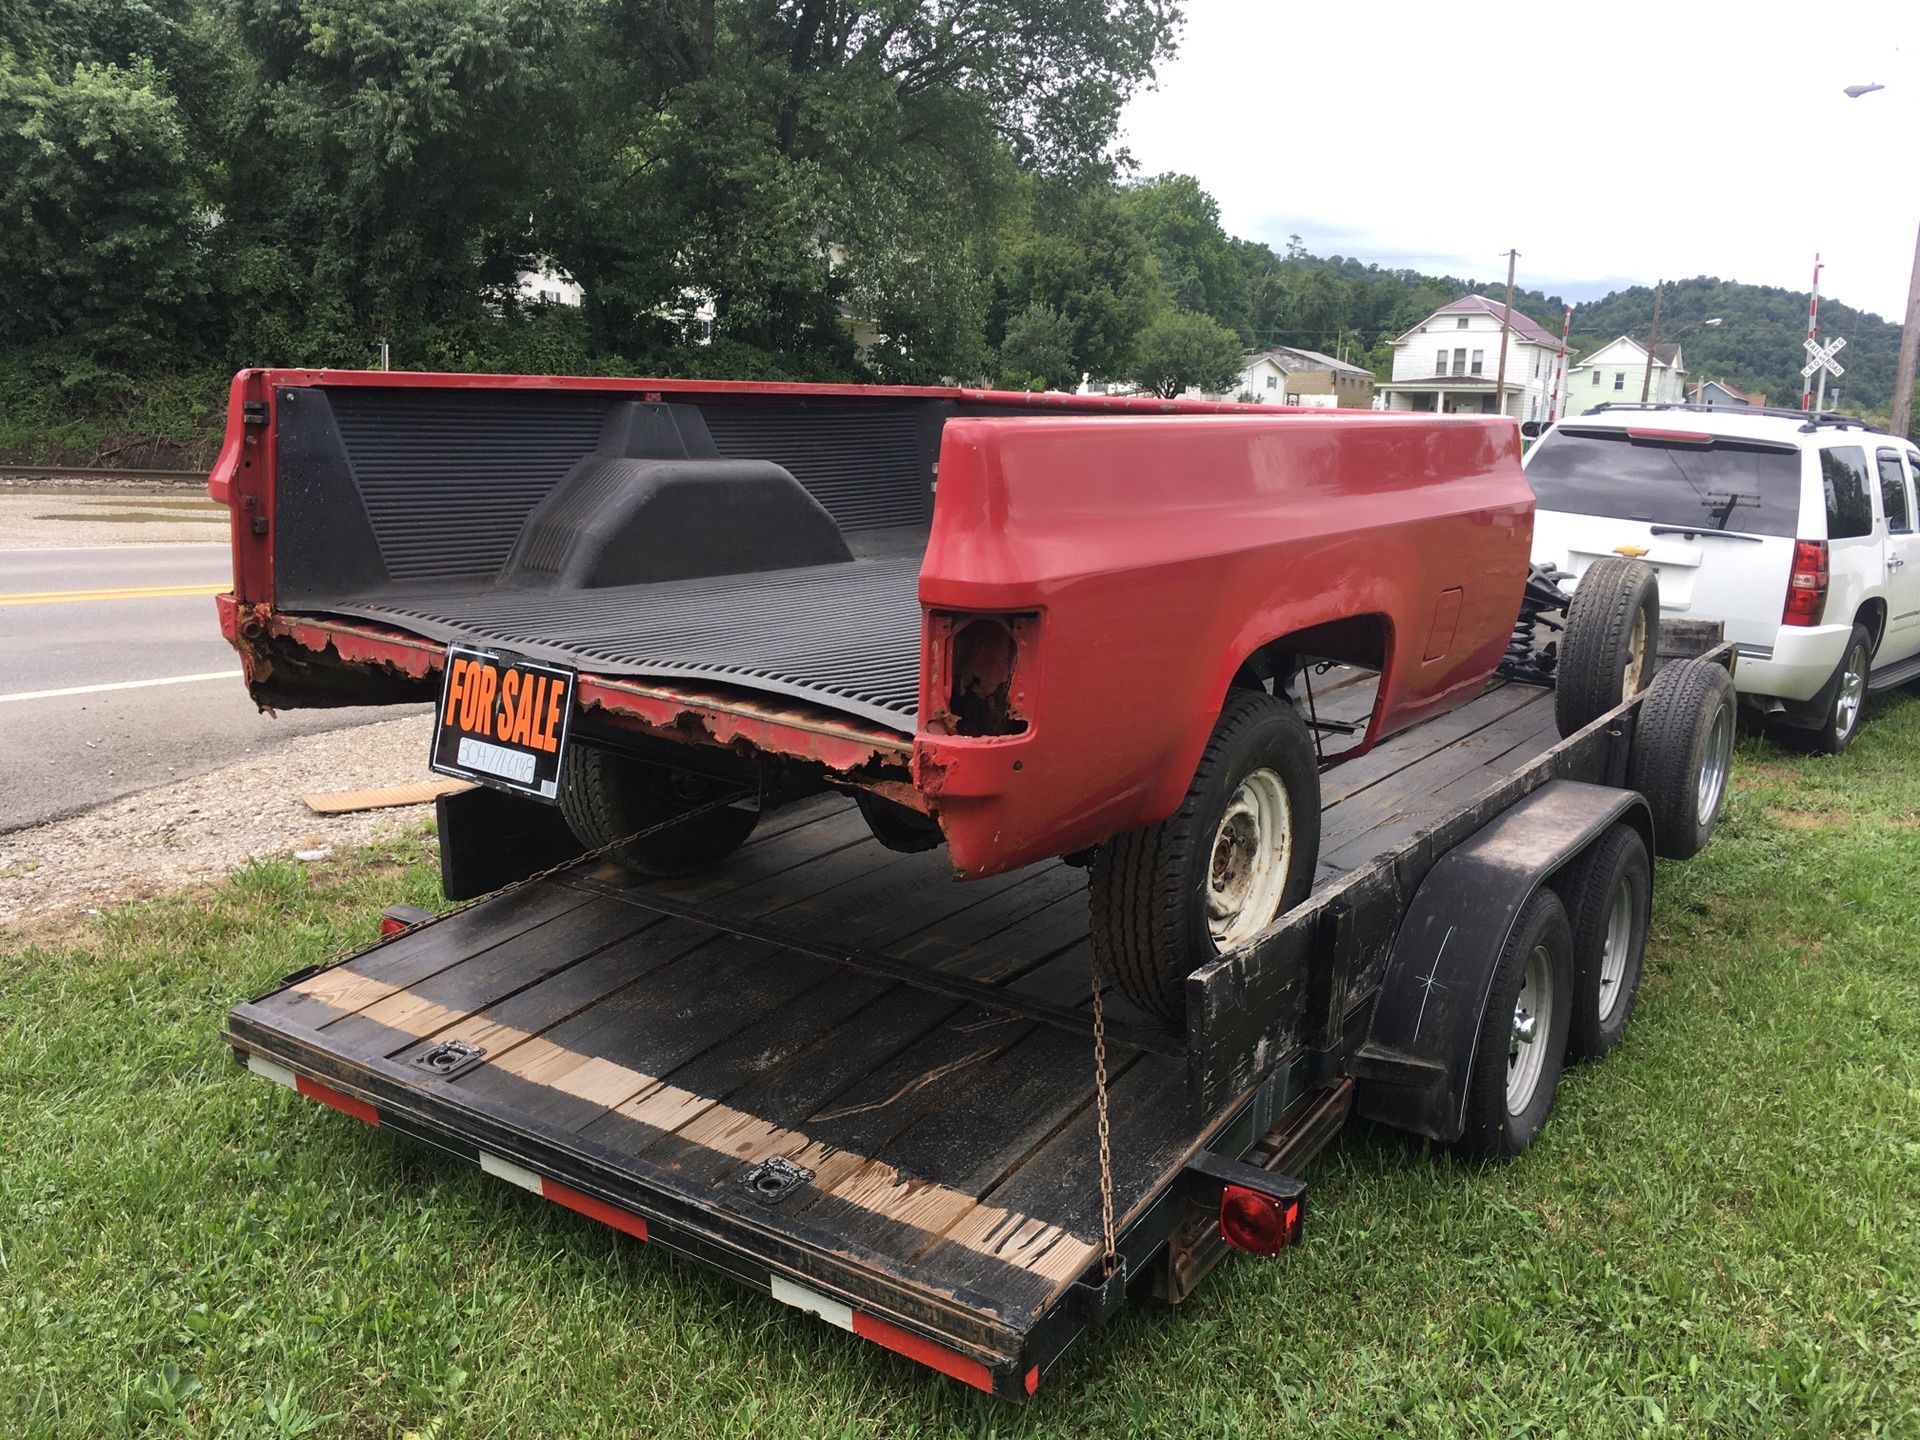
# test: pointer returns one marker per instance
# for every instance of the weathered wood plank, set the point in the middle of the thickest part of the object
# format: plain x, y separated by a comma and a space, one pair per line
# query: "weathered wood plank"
1398, 752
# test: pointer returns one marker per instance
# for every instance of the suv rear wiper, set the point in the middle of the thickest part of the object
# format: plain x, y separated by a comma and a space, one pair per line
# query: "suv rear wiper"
1702, 530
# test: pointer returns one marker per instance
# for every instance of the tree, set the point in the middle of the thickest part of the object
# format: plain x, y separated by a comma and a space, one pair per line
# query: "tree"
1038, 351
1085, 259
1198, 266
390, 166
99, 234
791, 162
1184, 350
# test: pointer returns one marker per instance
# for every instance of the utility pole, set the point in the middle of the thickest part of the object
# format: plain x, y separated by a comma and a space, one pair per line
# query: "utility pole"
1506, 324
1813, 329
1653, 344
1559, 366
1909, 342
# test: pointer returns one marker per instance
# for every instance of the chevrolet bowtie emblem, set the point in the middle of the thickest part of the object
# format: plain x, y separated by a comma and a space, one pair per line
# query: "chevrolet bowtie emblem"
1632, 552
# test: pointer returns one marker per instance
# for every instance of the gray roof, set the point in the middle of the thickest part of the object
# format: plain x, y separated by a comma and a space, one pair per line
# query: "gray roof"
1313, 360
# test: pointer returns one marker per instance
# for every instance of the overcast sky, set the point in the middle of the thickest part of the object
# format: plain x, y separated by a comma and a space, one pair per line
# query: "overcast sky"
1689, 139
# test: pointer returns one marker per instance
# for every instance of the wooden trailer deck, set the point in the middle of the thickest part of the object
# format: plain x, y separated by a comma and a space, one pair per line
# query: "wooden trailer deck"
922, 1046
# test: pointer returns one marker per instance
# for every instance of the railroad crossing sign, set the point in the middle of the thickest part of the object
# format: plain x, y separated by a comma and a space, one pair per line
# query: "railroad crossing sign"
1820, 357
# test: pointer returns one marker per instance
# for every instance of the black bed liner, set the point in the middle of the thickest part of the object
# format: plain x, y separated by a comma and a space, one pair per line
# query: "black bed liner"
922, 1046
846, 636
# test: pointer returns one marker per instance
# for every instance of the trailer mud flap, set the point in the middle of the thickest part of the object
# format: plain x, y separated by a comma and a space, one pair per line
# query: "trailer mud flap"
1414, 1065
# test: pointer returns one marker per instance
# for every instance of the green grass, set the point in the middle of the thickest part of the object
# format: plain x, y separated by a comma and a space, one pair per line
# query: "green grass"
1715, 1236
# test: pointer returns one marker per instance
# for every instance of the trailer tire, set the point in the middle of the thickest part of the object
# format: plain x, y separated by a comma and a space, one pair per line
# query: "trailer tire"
1515, 1071
606, 796
1612, 641
1608, 893
1166, 898
1682, 752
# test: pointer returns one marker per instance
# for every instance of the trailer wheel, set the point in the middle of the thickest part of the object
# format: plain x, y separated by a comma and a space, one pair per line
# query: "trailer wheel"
1682, 751
1239, 851
1612, 643
1609, 895
1523, 1033
606, 796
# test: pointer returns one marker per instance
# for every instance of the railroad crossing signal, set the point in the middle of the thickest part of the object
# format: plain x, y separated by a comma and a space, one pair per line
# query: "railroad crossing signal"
1820, 357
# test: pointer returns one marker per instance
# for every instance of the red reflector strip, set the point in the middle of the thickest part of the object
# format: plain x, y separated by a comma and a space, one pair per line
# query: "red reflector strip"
938, 1357
345, 1104
624, 1220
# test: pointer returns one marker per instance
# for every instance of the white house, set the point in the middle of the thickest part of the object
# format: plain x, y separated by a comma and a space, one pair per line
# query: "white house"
547, 284
1284, 375
1617, 371
1450, 361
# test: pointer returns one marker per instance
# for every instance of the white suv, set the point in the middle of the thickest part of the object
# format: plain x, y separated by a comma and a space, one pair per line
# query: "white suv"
1796, 531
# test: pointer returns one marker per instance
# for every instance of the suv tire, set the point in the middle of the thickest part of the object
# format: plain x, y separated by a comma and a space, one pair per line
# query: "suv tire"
1167, 898
1612, 643
606, 796
1840, 705
1682, 753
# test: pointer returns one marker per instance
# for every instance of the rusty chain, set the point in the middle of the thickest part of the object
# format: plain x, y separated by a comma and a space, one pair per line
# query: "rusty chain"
1110, 1259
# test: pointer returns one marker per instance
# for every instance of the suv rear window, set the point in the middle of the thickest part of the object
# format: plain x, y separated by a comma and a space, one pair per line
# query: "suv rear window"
1723, 484
1843, 475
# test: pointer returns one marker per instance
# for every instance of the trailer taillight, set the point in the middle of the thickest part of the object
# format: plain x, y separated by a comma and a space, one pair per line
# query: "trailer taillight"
398, 919
1258, 1224
1807, 586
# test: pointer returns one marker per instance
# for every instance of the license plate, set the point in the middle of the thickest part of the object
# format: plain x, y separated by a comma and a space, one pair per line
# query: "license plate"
503, 721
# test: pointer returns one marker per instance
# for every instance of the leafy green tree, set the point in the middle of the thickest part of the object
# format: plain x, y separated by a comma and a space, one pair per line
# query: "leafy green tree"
795, 163
388, 177
99, 231
1181, 223
1085, 259
1038, 351
1183, 350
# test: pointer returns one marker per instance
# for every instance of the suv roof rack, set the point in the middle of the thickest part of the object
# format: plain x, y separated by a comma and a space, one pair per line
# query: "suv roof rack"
1813, 419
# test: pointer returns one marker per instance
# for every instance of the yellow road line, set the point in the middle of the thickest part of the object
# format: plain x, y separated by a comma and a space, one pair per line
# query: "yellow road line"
144, 592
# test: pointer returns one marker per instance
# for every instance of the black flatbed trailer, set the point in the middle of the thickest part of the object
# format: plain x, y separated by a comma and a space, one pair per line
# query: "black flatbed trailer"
849, 1082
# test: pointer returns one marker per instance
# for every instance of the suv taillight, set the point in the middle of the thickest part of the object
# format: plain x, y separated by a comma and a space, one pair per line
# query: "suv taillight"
1807, 586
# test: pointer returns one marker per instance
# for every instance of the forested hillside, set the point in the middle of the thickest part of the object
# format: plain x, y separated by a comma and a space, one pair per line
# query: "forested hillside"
902, 190
1757, 344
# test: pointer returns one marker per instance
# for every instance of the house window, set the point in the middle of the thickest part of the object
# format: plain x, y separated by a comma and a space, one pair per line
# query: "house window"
1619, 379
1440, 365
1596, 377
1460, 362
1273, 382
1461, 323
1479, 361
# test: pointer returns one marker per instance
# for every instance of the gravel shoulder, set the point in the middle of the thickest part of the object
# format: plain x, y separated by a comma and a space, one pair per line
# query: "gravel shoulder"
196, 830
48, 517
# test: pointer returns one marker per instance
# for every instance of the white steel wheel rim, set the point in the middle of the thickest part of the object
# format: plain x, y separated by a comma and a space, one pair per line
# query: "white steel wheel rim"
1247, 866
1636, 658
1532, 1019
1853, 688
1613, 959
1714, 766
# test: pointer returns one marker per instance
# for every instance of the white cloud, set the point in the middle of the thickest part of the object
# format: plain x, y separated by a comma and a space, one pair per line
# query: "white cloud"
1611, 144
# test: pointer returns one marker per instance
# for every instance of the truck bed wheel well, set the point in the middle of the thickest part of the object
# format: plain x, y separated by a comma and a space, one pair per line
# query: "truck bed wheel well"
1359, 640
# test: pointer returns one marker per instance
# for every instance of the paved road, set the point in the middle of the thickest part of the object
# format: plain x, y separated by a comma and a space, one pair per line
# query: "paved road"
80, 629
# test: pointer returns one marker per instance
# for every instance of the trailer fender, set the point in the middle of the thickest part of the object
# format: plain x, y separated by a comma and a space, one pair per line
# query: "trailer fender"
1414, 1065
